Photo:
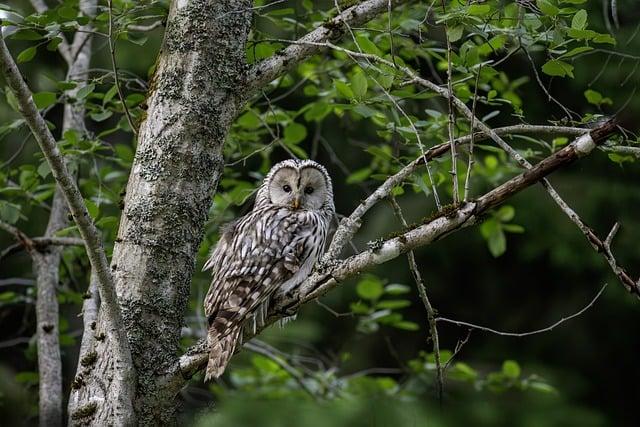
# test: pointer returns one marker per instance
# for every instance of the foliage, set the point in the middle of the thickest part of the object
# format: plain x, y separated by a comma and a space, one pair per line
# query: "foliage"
365, 120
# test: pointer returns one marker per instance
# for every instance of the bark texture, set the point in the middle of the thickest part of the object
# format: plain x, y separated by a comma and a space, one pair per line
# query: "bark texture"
177, 165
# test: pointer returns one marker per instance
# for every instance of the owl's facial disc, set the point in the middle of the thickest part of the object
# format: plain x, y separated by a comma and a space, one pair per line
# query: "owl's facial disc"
298, 189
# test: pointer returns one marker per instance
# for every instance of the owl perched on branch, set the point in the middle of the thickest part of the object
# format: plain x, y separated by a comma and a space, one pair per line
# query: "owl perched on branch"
272, 248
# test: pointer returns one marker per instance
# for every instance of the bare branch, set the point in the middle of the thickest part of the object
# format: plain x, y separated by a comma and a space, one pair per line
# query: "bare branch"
41, 243
422, 291
145, 28
88, 231
525, 334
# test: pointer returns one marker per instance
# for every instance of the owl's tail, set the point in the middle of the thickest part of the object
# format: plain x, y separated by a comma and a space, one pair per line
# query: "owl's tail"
220, 351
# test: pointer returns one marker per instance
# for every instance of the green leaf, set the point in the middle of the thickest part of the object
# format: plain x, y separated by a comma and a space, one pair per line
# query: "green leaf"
579, 21
511, 369
455, 33
101, 116
27, 35
576, 51
11, 99
547, 8
393, 304
93, 209
124, 152
27, 55
556, 67
83, 92
367, 45
359, 308
506, 213
249, 120
108, 96
44, 169
67, 12
343, 89
396, 289
359, 175
44, 99
369, 288
479, 9
54, 43
463, 372
406, 325
513, 228
294, 133
9, 212
359, 84
541, 387
604, 38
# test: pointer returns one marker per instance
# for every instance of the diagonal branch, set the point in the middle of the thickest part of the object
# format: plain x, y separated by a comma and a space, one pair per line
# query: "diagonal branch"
631, 285
269, 69
329, 274
88, 231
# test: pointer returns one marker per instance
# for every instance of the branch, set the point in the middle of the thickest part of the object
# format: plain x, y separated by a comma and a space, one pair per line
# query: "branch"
328, 274
269, 69
88, 231
351, 224
631, 285
525, 334
422, 291
41, 243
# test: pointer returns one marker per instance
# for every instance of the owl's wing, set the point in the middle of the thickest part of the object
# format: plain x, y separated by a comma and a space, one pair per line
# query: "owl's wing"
254, 256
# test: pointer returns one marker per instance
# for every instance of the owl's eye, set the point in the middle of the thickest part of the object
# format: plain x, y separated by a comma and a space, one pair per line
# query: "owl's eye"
286, 188
308, 190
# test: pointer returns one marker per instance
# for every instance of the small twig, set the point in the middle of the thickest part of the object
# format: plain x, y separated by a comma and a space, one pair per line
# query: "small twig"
112, 51
524, 334
452, 119
467, 185
145, 28
422, 291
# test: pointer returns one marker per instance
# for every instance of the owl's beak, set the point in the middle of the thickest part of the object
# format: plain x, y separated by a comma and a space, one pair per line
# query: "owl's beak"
296, 203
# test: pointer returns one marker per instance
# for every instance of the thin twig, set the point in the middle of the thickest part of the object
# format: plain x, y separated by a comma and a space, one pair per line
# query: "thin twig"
112, 52
422, 291
524, 334
451, 120
467, 185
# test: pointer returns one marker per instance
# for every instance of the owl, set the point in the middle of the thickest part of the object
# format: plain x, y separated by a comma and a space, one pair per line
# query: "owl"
271, 249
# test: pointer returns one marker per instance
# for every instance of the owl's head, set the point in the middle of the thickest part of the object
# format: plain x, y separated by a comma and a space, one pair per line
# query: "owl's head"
298, 184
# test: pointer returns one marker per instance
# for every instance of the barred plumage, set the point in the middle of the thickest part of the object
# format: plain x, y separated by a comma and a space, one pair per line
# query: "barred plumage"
273, 248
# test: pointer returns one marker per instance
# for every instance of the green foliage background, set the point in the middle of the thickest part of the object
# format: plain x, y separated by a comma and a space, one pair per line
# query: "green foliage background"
524, 268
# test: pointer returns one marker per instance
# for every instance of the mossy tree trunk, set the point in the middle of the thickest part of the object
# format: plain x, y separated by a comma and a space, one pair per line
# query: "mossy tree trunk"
177, 165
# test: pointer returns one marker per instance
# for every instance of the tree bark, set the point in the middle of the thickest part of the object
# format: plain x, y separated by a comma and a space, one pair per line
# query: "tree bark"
191, 105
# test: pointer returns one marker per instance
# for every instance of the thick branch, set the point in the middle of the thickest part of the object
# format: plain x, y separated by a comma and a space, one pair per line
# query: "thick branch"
271, 68
88, 231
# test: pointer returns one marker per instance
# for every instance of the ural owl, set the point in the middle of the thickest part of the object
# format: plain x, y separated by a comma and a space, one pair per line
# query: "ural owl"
272, 248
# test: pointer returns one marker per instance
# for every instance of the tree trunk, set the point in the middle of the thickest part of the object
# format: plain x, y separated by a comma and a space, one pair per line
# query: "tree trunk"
192, 103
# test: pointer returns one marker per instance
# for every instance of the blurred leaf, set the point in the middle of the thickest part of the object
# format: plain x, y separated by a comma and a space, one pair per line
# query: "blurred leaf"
44, 99
294, 133
511, 369
27, 55
369, 288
